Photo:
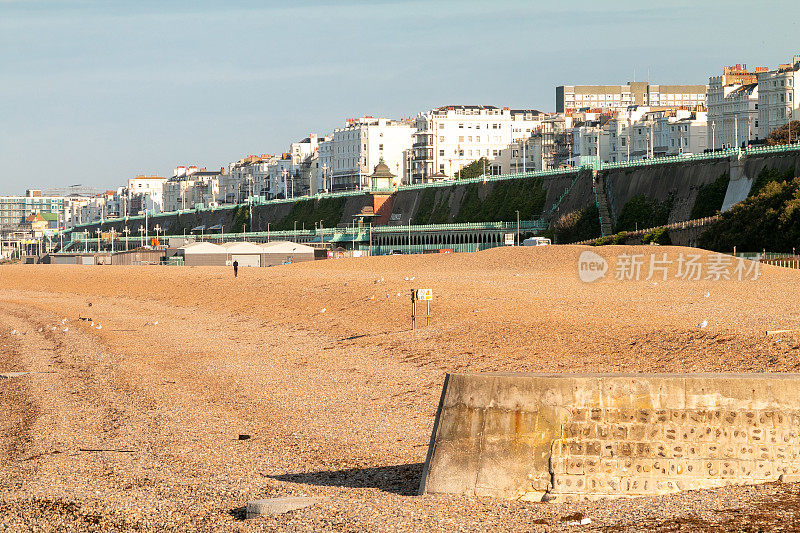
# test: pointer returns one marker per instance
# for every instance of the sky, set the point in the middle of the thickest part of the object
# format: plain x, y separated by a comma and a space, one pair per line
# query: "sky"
97, 92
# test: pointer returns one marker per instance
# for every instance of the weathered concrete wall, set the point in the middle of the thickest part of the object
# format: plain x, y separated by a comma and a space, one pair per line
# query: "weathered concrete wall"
658, 182
745, 170
545, 437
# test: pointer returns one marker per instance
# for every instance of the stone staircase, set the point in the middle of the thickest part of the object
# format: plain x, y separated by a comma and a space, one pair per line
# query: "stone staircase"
606, 226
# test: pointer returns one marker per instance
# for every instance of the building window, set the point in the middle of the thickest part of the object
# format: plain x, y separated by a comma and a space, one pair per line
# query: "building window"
441, 139
441, 168
461, 126
461, 139
380, 147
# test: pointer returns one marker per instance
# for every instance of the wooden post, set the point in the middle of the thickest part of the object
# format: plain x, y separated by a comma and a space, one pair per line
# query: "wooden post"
427, 312
413, 308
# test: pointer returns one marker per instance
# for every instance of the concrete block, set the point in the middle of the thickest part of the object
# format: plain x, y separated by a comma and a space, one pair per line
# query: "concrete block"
601, 435
272, 506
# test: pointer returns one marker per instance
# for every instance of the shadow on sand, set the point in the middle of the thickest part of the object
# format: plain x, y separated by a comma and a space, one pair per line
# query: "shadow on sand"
397, 479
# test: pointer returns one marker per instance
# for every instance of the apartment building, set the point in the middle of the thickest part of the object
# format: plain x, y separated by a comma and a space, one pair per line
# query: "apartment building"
777, 97
642, 133
616, 97
451, 137
145, 193
347, 158
248, 176
733, 107
191, 185
15, 209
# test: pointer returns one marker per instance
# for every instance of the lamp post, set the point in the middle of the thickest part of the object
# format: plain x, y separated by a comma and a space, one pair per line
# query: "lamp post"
86, 241
113, 236
98, 231
127, 232
158, 230
325, 177
713, 136
517, 211
284, 174
250, 212
409, 236
267, 231
295, 231
141, 236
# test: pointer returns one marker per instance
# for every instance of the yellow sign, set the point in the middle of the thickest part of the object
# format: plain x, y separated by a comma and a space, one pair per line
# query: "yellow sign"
425, 294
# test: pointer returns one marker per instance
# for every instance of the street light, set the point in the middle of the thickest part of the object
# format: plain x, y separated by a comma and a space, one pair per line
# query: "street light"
127, 232
98, 231
409, 236
517, 211
713, 136
158, 229
86, 241
141, 236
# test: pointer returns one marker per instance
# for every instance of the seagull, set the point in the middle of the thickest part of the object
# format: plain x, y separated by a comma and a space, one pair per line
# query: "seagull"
99, 326
66, 330
702, 324
322, 310
708, 294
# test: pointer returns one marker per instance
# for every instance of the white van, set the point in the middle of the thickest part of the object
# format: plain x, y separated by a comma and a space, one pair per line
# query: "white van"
536, 241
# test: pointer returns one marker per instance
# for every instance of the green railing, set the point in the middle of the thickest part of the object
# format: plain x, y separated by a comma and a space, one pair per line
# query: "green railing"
343, 235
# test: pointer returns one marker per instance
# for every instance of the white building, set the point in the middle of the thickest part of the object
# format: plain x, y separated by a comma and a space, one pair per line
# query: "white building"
641, 133
190, 186
248, 177
348, 158
733, 107
452, 137
305, 166
100, 207
145, 193
777, 97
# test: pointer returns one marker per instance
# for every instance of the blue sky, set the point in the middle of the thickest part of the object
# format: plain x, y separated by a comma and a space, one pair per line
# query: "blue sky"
96, 92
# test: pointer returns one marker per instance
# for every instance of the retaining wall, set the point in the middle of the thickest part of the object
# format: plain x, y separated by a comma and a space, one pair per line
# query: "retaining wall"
544, 437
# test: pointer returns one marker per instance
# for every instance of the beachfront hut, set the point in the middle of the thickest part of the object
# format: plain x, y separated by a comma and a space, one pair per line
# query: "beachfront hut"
246, 254
281, 252
203, 254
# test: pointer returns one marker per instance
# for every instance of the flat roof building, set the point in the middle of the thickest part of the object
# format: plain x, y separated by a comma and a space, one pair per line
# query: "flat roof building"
614, 97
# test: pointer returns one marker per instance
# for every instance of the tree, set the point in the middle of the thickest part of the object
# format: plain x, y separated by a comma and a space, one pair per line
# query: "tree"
781, 135
474, 169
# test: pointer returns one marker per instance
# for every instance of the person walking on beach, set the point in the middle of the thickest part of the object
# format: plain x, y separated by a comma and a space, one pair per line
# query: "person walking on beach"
236, 269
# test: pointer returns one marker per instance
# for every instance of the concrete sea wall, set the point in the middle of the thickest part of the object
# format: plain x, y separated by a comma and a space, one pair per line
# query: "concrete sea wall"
478, 202
562, 437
